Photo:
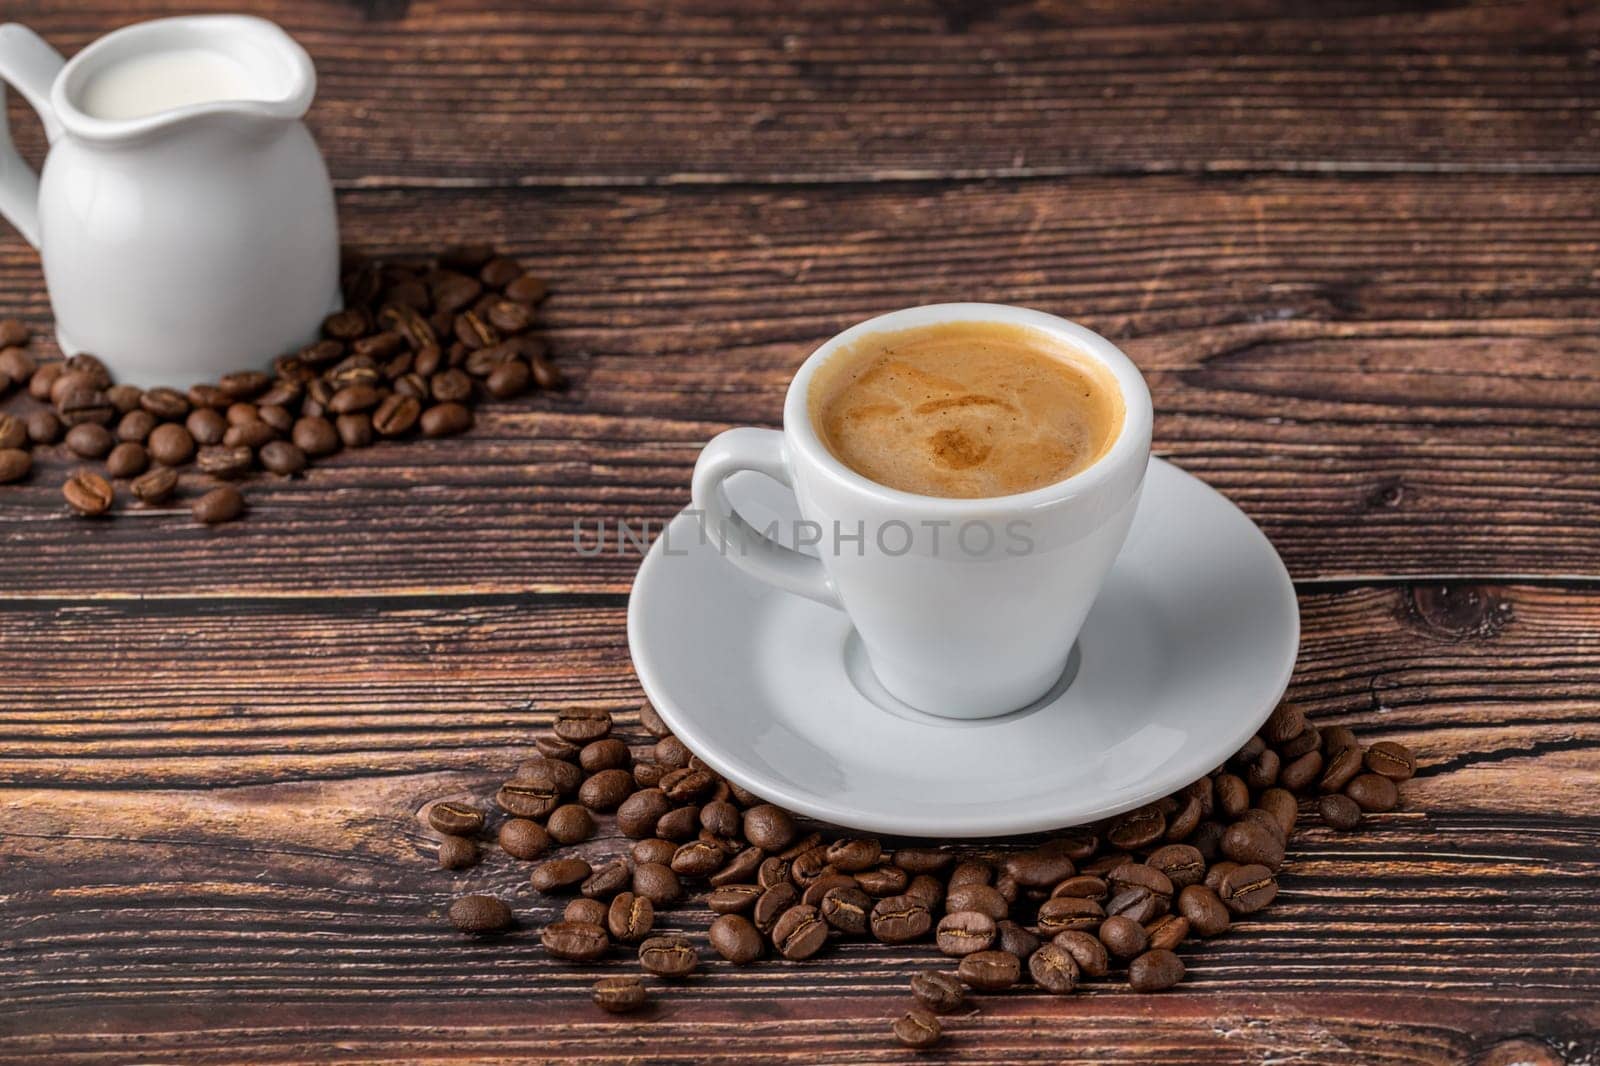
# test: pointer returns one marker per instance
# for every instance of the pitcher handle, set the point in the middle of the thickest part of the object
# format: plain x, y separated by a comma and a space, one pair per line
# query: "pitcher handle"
31, 66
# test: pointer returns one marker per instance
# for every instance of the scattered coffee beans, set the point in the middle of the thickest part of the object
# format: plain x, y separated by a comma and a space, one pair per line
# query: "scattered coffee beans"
1123, 896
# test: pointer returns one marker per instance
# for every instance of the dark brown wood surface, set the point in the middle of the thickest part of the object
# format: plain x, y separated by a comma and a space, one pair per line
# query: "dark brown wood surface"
1355, 246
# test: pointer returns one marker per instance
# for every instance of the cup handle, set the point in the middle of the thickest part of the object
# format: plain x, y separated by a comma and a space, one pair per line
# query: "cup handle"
761, 450
31, 66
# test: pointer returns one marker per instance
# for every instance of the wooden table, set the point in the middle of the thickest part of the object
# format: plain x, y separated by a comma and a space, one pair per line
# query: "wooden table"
1352, 244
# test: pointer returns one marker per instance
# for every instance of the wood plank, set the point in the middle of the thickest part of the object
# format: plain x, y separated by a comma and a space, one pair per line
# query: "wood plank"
623, 91
214, 851
1392, 376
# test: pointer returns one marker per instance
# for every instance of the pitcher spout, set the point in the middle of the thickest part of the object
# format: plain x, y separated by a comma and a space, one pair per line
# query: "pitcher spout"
147, 78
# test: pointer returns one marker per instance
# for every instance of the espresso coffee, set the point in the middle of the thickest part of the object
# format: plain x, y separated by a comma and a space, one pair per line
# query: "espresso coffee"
965, 409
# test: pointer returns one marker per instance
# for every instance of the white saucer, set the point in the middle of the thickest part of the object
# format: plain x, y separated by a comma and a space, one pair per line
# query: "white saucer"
1186, 652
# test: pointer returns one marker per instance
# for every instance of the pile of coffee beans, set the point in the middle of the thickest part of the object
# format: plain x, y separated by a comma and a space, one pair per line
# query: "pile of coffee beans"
1117, 899
418, 343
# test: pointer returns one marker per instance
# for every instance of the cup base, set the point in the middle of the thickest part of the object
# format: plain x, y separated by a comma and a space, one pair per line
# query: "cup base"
864, 677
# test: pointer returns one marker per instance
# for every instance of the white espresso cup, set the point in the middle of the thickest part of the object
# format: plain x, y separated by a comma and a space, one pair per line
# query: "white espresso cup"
967, 608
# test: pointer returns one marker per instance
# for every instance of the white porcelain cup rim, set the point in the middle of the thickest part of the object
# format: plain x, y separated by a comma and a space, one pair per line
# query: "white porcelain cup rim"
1138, 412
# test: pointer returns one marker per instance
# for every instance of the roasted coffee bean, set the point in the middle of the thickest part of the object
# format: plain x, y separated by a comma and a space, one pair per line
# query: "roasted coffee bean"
1085, 950
554, 748
740, 868
16, 364
1155, 971
1337, 738
900, 919
1300, 773
170, 444
799, 847
607, 879
854, 853
638, 814
1008, 888
276, 416
1215, 873
1168, 931
473, 331
354, 398
13, 432
1284, 723
1061, 913
657, 883
446, 420
1249, 752
1183, 822
668, 956
42, 385
1084, 886
281, 457
1248, 889
1284, 808
218, 460
560, 875
605, 754
648, 774
169, 405
916, 861
347, 325
355, 430
799, 932
1140, 904
484, 361
88, 493
450, 386
45, 428
14, 466
773, 871
1263, 771
971, 872
509, 316
124, 398
527, 800
570, 823
1373, 792
619, 995
508, 380
1267, 820
396, 415
687, 785
1181, 864
654, 851
1339, 812
883, 881
1233, 795
734, 938
251, 434
155, 486
767, 827
554, 773
771, 904
809, 866
697, 858
1104, 864
1054, 969
480, 915
204, 424
982, 898
606, 790
963, 932
1391, 760
1250, 842
207, 396
917, 1028
679, 824
1009, 936
1140, 875
581, 725
651, 721
500, 271
527, 289
575, 941
1039, 868
990, 971
938, 990
523, 838
458, 819
630, 917
1308, 741
670, 752
847, 909
457, 853
720, 817
823, 885
1342, 768
89, 440
1138, 828
733, 899
1123, 937
78, 406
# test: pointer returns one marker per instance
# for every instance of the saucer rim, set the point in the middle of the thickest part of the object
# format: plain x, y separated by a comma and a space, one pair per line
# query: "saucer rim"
889, 823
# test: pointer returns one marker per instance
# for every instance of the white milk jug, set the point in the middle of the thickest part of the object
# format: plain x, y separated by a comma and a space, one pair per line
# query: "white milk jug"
184, 215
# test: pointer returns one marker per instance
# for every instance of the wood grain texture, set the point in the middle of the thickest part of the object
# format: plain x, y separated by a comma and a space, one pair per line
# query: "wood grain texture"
582, 92
1392, 376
